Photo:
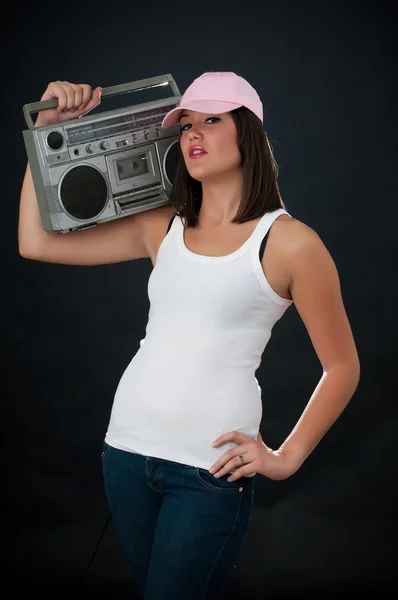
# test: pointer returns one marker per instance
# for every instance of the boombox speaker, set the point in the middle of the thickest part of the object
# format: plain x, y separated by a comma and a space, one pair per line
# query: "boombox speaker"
97, 168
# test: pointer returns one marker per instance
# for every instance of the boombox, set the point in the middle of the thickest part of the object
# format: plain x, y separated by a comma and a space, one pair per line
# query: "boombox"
105, 166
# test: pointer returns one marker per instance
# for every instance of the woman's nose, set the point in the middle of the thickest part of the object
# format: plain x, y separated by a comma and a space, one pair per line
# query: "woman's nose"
194, 133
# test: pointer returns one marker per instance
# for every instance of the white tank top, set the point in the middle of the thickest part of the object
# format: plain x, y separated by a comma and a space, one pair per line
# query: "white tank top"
193, 377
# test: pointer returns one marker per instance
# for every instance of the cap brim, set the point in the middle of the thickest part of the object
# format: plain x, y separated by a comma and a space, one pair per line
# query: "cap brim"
204, 106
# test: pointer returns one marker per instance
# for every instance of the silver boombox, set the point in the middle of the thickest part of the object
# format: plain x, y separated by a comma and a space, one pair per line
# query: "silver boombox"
105, 166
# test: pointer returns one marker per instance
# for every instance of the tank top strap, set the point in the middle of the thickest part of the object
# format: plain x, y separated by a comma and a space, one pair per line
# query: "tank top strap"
263, 227
170, 224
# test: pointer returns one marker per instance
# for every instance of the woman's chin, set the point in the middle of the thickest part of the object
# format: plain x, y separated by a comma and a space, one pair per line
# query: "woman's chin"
203, 174
197, 174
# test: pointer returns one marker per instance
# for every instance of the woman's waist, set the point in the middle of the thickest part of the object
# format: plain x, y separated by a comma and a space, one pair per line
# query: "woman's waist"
182, 404
193, 364
187, 434
201, 350
190, 383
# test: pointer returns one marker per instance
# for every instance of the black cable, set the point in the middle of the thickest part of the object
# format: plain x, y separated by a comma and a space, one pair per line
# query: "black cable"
96, 547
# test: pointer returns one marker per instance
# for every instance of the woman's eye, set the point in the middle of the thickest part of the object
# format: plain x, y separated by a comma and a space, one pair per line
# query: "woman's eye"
214, 119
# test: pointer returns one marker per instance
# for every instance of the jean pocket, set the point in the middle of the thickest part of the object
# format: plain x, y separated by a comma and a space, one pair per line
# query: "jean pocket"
106, 448
220, 484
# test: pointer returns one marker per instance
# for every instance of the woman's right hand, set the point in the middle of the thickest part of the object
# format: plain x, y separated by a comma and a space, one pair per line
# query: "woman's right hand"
74, 100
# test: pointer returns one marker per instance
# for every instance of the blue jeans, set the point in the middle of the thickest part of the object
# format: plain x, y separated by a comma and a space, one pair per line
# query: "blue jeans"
181, 528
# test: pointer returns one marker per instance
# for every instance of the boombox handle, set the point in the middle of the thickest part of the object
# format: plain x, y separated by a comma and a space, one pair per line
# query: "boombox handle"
114, 90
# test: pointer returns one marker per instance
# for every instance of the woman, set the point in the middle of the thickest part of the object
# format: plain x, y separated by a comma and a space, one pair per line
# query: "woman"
183, 446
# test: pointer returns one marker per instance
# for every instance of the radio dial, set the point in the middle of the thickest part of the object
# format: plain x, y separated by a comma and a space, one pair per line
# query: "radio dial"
89, 149
103, 145
55, 140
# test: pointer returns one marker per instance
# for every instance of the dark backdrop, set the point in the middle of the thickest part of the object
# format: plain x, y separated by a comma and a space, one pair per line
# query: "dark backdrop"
326, 74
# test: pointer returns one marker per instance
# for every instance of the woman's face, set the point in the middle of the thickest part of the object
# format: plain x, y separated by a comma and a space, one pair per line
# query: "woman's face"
216, 135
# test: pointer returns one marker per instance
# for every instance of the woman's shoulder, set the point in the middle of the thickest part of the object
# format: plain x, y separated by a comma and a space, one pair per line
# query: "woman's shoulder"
159, 217
154, 225
291, 235
293, 229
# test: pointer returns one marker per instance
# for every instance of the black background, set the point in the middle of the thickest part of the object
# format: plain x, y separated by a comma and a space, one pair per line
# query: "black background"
326, 73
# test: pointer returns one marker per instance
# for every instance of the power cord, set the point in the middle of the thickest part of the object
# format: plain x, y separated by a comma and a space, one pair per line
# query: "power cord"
96, 547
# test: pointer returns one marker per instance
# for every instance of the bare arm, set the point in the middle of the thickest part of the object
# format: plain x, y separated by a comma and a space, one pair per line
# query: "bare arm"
315, 288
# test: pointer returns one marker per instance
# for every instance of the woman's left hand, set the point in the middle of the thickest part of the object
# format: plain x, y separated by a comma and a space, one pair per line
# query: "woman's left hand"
258, 458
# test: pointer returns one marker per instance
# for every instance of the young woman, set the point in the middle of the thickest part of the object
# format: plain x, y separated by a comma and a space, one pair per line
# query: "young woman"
183, 446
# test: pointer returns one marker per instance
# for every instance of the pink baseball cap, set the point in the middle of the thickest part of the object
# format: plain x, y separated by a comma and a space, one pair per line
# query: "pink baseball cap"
215, 93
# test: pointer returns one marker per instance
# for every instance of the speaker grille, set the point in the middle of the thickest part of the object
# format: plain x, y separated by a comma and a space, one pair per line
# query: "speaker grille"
83, 192
171, 160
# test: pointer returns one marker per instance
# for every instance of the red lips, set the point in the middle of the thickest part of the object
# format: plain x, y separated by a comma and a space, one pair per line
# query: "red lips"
196, 151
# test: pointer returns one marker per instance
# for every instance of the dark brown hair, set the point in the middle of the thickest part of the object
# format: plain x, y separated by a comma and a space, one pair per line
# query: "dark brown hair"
260, 172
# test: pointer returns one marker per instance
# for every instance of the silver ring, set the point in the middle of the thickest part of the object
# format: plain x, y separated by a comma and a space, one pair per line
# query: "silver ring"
241, 458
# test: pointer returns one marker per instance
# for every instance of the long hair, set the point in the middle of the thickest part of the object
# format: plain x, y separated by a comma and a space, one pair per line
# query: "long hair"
260, 192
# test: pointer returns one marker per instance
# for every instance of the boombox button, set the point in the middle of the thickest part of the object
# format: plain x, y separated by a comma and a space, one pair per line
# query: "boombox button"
89, 148
103, 145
